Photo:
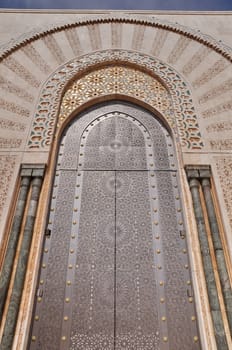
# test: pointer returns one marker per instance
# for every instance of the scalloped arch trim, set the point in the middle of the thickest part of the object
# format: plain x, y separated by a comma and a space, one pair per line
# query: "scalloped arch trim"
207, 40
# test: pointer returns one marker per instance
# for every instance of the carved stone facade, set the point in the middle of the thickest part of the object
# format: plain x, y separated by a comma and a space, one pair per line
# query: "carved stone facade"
7, 167
224, 168
174, 65
181, 116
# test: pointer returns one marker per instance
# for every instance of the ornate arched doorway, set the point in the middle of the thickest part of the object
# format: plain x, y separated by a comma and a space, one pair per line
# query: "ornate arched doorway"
114, 271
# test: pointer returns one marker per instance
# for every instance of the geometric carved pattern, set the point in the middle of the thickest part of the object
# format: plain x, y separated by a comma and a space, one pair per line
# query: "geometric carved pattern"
117, 80
182, 116
224, 168
7, 164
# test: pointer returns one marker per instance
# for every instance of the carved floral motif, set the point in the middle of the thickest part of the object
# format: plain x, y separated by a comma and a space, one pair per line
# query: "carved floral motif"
7, 165
117, 80
224, 168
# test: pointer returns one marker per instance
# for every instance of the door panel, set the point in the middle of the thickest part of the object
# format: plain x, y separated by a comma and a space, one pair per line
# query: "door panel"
137, 321
114, 269
92, 305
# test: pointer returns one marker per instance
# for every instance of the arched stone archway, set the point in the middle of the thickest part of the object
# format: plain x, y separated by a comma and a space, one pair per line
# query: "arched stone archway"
176, 95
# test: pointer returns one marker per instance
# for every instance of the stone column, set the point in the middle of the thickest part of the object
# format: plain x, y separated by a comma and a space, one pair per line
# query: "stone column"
207, 262
13, 237
220, 257
13, 309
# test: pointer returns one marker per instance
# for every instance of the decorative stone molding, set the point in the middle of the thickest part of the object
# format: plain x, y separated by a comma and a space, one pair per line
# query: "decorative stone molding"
196, 35
224, 169
182, 112
7, 166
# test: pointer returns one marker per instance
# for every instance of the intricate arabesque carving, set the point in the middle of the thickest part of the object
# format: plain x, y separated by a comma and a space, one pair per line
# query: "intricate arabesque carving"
54, 48
117, 80
211, 73
178, 49
14, 108
226, 86
183, 110
138, 37
221, 108
225, 144
36, 58
224, 168
37, 33
10, 87
7, 165
159, 41
219, 127
11, 125
10, 143
196, 59
21, 71
74, 41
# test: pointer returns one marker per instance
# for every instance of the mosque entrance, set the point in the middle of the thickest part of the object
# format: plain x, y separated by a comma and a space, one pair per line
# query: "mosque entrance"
114, 270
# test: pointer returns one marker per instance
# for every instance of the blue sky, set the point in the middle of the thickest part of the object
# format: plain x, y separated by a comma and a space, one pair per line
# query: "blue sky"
209, 5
